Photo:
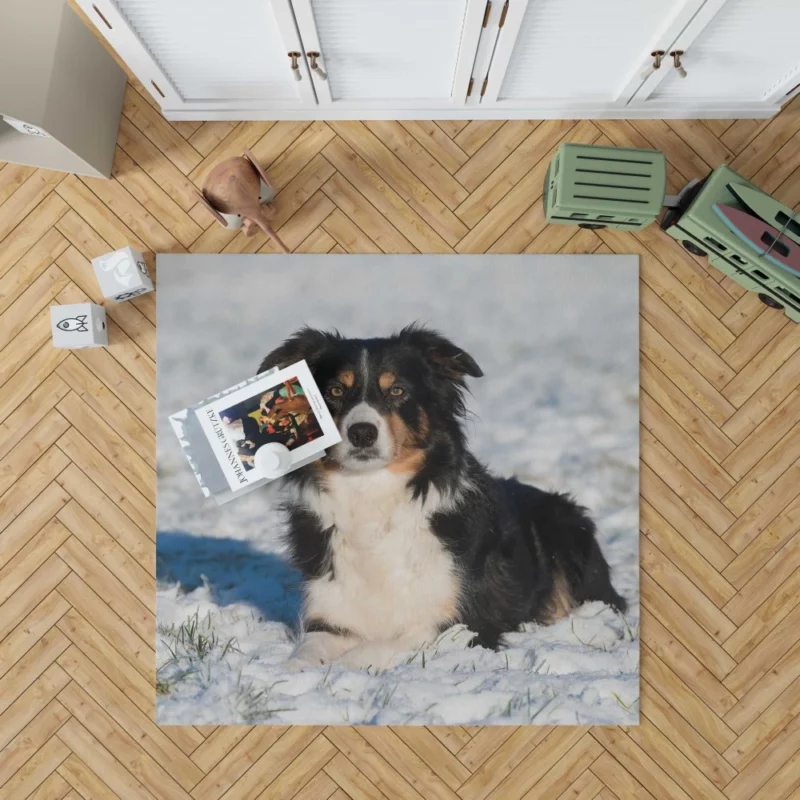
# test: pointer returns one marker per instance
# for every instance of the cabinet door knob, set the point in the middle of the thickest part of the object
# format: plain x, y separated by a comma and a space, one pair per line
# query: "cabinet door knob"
295, 66
313, 56
676, 60
657, 55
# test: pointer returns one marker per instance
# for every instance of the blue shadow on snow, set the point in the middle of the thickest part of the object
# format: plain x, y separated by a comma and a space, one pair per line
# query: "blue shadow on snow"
235, 571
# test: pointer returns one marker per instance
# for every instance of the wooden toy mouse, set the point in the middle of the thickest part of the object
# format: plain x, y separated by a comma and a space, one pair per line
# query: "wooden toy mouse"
233, 190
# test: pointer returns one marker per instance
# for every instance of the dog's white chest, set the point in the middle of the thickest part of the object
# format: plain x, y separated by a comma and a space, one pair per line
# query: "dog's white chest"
391, 576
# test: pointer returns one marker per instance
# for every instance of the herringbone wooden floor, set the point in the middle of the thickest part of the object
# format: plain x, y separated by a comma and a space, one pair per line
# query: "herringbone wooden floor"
720, 474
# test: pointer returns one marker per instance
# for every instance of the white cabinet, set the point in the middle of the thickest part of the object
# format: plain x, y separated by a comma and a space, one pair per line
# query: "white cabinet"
390, 53
735, 51
588, 52
208, 55
339, 59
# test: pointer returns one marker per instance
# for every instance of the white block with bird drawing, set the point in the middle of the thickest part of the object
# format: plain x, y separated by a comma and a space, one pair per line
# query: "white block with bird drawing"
122, 275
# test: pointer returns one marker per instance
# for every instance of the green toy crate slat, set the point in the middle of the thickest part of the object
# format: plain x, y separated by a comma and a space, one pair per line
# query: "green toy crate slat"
611, 186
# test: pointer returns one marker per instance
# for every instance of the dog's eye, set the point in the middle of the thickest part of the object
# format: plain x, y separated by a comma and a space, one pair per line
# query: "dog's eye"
336, 391
397, 391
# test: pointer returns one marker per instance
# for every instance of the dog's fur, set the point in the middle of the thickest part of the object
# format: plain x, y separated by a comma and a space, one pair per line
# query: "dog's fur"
400, 532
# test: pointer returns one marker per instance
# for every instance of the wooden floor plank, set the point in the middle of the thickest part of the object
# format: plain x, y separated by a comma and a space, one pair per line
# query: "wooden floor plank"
37, 768
27, 197
684, 737
645, 769
684, 520
686, 467
23, 712
38, 549
678, 586
384, 198
12, 176
759, 698
29, 230
691, 634
124, 711
31, 630
437, 143
109, 624
119, 744
159, 131
298, 154
765, 400
135, 144
303, 769
22, 275
512, 187
209, 135
151, 196
112, 589
80, 741
85, 783
238, 760
782, 601
475, 134
777, 569
355, 206
402, 180
681, 554
685, 413
31, 665
419, 161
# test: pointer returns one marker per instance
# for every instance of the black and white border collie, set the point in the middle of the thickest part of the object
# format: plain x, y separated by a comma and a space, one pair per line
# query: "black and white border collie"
399, 532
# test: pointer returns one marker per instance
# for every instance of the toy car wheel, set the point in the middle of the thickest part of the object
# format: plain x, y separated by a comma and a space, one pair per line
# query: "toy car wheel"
592, 226
769, 301
693, 248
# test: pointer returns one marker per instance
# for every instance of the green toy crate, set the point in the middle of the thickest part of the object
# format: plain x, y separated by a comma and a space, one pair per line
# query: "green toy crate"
605, 187
695, 224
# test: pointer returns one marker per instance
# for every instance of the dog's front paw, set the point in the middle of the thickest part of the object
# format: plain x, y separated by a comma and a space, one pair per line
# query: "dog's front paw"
298, 664
372, 655
317, 649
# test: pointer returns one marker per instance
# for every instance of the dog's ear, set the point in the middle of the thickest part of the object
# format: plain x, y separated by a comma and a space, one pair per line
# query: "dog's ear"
307, 343
443, 355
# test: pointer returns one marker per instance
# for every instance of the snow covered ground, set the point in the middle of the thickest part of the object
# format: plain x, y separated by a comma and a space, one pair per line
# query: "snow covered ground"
557, 339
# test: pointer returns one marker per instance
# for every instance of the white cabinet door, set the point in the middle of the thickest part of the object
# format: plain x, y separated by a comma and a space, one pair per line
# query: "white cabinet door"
390, 54
216, 55
737, 51
579, 53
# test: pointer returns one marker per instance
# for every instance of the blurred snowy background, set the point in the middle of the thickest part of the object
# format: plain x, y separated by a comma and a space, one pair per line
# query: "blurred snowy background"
557, 339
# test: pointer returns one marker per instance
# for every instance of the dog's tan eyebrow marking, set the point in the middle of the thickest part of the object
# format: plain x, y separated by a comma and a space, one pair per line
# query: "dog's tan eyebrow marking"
347, 378
386, 380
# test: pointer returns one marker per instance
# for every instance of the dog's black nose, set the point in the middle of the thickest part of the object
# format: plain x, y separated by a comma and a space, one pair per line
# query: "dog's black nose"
362, 434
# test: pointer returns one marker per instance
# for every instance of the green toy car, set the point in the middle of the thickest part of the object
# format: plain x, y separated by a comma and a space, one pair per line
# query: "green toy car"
702, 232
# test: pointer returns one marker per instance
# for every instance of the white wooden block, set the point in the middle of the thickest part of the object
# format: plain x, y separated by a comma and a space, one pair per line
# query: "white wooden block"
78, 325
122, 274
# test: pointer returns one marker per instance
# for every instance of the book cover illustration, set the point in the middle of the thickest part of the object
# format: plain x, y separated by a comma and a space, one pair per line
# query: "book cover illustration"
221, 434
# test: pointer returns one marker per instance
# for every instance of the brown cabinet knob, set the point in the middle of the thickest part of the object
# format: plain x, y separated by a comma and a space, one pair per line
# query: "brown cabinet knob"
676, 60
295, 66
658, 56
315, 68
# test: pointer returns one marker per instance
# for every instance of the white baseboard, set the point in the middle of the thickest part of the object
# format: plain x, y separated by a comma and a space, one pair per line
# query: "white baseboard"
700, 111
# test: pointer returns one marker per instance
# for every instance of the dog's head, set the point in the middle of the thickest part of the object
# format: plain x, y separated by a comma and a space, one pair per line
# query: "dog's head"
391, 398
